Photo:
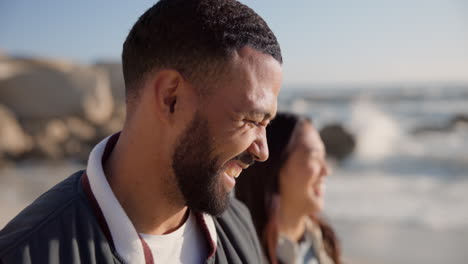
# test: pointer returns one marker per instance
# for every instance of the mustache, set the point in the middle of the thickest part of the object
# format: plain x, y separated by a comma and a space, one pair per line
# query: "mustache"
245, 158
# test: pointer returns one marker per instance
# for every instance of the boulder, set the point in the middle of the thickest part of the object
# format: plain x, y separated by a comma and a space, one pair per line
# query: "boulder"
117, 84
339, 143
46, 89
50, 140
115, 124
14, 142
80, 129
459, 119
61, 138
83, 137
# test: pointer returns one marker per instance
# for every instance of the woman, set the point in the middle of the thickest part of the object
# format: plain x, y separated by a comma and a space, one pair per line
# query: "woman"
285, 195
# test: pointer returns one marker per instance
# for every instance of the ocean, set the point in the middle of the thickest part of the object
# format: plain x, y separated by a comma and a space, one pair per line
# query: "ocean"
401, 197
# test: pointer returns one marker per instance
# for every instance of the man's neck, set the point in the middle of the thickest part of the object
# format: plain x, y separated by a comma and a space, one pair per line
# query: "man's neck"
141, 190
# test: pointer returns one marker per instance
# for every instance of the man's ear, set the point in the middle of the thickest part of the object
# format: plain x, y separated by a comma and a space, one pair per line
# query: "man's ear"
167, 90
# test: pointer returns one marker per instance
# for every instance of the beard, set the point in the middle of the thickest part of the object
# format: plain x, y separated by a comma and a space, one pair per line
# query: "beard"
197, 173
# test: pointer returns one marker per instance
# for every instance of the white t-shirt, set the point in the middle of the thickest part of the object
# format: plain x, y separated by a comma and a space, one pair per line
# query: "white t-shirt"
185, 245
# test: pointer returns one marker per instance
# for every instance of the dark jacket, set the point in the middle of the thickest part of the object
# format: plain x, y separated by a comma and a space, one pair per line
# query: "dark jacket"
62, 227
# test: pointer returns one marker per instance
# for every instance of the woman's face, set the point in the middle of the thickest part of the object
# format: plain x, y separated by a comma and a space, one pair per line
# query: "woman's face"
302, 178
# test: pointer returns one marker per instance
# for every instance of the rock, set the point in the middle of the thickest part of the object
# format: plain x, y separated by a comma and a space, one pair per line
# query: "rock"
339, 143
80, 129
13, 140
57, 130
46, 89
62, 138
459, 119
114, 71
50, 141
115, 124
84, 136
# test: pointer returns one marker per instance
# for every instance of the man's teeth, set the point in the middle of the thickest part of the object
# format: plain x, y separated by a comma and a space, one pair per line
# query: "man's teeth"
233, 172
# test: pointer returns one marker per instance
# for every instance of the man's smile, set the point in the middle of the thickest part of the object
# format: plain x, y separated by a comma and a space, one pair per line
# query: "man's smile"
233, 169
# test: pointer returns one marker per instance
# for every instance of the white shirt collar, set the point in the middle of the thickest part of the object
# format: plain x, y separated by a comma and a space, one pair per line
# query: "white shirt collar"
126, 239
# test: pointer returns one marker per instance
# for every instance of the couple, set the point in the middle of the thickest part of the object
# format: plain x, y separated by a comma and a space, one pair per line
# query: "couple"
202, 79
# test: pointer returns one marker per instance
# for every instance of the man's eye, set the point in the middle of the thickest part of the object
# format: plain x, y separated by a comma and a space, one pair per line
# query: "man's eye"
254, 123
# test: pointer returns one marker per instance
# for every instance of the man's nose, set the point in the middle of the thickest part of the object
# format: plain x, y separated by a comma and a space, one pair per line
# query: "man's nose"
259, 148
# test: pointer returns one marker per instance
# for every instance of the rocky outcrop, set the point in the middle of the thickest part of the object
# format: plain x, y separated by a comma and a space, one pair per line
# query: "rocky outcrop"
117, 83
45, 89
460, 119
449, 126
14, 142
51, 109
339, 143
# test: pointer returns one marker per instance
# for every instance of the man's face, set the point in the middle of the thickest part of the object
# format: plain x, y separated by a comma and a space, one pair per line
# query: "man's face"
197, 171
227, 132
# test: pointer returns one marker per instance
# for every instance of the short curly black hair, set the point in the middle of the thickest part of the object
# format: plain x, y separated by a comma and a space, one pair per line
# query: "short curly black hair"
193, 37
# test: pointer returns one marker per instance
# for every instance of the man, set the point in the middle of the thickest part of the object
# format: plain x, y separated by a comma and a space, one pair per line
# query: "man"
202, 79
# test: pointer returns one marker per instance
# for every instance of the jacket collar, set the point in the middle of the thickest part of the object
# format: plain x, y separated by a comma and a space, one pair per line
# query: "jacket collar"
114, 222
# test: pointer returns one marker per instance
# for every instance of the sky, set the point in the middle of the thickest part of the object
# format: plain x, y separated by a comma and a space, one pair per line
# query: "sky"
323, 42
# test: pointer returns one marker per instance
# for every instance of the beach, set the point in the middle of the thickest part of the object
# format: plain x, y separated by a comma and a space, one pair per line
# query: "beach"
400, 197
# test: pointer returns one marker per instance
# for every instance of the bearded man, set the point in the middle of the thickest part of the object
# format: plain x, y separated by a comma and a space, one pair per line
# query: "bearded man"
202, 79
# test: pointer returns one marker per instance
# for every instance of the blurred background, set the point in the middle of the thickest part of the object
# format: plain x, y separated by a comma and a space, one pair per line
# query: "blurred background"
386, 82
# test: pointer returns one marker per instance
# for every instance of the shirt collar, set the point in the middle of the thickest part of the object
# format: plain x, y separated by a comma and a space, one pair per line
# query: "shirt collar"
126, 240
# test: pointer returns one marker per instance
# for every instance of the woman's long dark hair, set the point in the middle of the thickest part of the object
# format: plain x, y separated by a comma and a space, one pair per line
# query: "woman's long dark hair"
258, 188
